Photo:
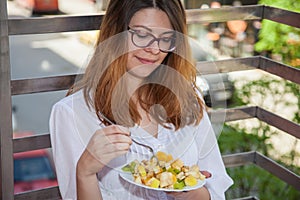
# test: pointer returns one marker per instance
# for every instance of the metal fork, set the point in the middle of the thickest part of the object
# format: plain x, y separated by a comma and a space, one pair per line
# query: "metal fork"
138, 143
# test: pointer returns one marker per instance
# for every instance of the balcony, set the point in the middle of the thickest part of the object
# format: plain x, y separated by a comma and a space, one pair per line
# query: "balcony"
42, 25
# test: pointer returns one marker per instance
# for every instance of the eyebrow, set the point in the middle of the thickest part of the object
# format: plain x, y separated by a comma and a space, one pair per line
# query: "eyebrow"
141, 26
150, 30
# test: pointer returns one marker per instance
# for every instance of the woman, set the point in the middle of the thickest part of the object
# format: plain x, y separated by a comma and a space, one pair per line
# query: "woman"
140, 75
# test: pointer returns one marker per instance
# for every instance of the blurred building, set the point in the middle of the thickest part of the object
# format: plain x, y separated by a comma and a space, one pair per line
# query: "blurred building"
229, 39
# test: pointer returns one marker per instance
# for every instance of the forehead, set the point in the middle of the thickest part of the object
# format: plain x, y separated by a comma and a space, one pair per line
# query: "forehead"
151, 17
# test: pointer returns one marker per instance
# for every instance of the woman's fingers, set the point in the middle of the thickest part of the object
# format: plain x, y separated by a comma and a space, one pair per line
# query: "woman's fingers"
113, 138
116, 147
106, 144
110, 142
207, 174
113, 129
118, 138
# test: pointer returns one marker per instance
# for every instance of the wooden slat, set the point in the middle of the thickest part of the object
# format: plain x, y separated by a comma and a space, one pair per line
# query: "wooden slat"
31, 143
281, 16
238, 159
232, 114
228, 65
240, 113
223, 14
280, 69
6, 149
43, 194
278, 170
53, 24
247, 198
47, 84
278, 122
247, 63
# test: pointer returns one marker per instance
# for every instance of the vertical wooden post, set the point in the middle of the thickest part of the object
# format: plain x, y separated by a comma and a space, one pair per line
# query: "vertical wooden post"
6, 147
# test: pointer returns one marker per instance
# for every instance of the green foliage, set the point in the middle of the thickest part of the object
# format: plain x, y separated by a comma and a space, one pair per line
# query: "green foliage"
234, 134
279, 92
250, 180
280, 39
292, 5
282, 42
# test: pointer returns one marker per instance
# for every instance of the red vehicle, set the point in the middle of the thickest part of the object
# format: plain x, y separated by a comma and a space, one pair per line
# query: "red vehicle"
39, 6
33, 170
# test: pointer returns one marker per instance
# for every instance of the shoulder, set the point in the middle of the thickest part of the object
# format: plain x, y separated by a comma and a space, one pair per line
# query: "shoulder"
70, 102
74, 109
71, 107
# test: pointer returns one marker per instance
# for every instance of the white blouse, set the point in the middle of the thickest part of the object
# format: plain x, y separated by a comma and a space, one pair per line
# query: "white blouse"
72, 124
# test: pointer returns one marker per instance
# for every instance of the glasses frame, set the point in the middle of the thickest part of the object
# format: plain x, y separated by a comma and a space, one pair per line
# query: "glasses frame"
132, 31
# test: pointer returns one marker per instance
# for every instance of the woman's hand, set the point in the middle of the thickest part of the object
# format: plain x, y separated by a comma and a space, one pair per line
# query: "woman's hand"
198, 194
105, 145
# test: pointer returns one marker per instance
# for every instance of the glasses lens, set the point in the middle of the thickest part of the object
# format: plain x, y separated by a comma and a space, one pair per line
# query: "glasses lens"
141, 38
144, 39
167, 43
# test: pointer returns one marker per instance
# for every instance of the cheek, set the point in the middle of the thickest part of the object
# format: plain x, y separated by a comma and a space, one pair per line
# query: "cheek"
131, 61
131, 46
132, 51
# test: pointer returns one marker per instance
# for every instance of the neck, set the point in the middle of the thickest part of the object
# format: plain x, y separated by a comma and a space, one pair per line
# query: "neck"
148, 123
133, 82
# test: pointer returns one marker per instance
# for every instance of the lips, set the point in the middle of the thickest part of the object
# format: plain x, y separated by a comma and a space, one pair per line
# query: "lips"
146, 61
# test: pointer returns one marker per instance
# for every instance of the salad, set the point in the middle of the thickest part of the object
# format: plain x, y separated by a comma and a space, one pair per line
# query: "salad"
162, 171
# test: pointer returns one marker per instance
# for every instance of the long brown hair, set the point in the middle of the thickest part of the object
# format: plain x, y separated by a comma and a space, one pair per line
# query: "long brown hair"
181, 104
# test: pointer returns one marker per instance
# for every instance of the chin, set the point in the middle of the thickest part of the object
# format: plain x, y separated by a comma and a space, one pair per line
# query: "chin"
143, 71
139, 74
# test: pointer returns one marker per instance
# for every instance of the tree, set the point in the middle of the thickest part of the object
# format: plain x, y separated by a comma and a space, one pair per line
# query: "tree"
280, 41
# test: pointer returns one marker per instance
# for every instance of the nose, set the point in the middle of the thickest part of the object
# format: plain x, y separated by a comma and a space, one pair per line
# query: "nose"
153, 48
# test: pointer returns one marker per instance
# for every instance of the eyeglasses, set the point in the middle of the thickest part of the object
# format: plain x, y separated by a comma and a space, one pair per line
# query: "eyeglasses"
142, 39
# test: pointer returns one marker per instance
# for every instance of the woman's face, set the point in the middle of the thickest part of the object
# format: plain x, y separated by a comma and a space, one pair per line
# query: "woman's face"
145, 26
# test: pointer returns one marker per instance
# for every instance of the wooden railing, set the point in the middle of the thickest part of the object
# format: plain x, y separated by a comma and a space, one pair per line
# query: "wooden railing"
38, 25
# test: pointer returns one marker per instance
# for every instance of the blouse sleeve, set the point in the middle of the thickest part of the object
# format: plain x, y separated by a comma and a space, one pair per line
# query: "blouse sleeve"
210, 159
66, 148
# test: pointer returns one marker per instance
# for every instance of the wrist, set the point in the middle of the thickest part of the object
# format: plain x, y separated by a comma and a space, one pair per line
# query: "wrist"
86, 178
87, 186
87, 165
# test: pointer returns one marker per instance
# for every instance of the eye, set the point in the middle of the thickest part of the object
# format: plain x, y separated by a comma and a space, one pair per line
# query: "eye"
167, 39
141, 34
